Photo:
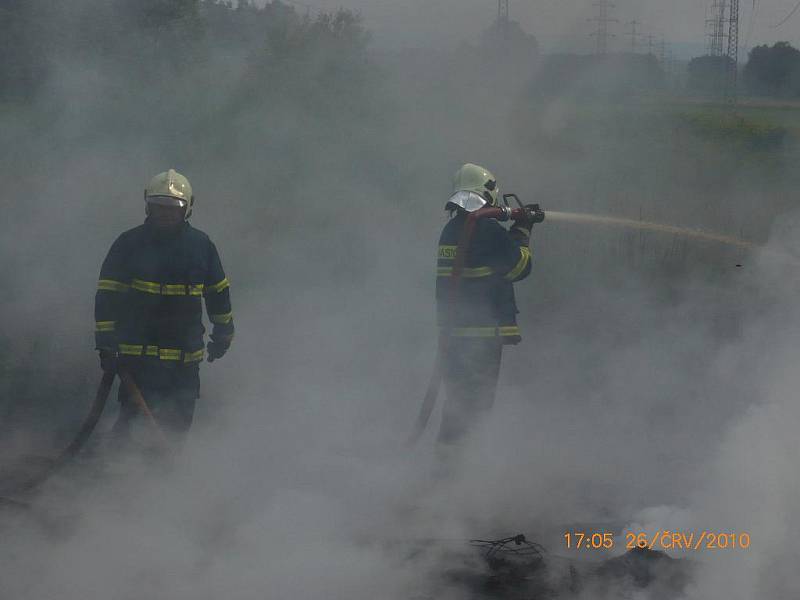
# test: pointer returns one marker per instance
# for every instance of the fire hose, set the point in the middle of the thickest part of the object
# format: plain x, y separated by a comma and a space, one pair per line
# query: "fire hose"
501, 213
86, 429
136, 395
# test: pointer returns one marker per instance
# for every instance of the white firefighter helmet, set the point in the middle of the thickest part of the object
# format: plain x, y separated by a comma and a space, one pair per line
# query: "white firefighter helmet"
473, 187
169, 188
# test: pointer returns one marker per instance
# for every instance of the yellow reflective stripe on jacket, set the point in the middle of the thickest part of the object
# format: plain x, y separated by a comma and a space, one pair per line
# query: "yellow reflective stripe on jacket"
168, 289
193, 356
223, 319
508, 330
218, 287
484, 332
131, 349
105, 325
149, 287
169, 354
110, 285
447, 252
176, 289
161, 353
466, 273
521, 264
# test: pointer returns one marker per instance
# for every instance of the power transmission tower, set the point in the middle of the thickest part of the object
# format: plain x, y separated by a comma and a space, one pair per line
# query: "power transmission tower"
733, 51
502, 16
670, 69
716, 27
603, 20
662, 52
634, 35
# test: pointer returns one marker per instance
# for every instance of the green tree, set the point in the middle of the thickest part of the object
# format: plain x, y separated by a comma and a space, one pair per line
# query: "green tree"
164, 14
773, 71
708, 74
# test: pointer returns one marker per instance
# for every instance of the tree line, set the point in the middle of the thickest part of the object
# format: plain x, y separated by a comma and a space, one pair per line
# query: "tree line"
772, 71
143, 37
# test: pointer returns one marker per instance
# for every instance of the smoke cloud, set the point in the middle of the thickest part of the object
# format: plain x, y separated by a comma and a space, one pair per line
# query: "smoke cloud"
653, 388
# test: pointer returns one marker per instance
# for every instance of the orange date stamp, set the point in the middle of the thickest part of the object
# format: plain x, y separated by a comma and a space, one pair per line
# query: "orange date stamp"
661, 539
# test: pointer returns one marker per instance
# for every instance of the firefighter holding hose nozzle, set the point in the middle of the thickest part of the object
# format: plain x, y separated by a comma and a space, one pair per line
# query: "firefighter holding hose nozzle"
148, 310
476, 307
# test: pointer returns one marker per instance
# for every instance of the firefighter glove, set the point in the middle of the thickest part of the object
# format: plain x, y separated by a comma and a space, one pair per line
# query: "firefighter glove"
108, 361
216, 350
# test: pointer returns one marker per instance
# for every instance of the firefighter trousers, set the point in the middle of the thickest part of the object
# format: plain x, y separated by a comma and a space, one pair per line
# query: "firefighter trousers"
471, 370
170, 392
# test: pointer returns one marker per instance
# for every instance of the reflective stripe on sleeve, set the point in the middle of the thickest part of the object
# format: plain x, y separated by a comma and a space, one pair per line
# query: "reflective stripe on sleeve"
131, 349
524, 259
110, 285
218, 287
105, 326
191, 357
466, 273
506, 331
223, 319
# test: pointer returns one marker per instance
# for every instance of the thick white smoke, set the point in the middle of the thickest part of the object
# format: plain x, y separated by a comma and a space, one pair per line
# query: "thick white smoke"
653, 388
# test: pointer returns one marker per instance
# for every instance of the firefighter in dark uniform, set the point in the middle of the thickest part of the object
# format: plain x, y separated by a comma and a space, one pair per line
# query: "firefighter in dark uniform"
483, 316
148, 307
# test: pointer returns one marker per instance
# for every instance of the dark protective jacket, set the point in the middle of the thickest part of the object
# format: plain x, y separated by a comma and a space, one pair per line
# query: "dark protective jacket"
485, 306
148, 300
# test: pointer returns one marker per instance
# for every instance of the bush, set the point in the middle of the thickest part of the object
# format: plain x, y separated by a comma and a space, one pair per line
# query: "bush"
709, 74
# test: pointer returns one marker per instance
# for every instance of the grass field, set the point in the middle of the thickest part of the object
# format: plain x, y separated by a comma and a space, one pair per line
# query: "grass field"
754, 125
761, 124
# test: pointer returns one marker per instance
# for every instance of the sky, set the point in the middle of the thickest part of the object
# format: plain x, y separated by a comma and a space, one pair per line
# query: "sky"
564, 24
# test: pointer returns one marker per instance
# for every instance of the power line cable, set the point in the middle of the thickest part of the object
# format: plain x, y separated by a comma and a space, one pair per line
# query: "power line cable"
751, 25
789, 16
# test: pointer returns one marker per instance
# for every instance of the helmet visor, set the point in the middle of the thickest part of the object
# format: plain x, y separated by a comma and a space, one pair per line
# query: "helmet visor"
469, 201
166, 201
